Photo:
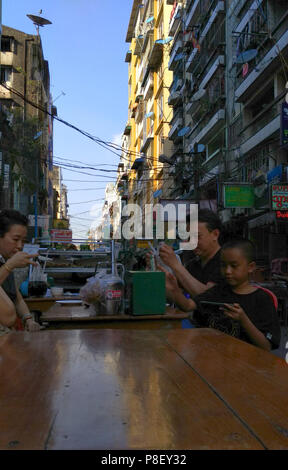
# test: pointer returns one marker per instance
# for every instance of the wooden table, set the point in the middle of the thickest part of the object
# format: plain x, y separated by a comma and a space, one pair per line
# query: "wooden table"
129, 389
44, 303
59, 316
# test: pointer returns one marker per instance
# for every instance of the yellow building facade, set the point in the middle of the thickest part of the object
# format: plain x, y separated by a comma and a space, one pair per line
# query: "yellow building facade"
149, 114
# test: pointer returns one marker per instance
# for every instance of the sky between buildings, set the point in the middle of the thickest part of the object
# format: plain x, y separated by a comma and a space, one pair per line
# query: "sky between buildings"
85, 47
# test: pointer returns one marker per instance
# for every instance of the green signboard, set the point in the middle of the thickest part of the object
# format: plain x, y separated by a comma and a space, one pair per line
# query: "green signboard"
238, 195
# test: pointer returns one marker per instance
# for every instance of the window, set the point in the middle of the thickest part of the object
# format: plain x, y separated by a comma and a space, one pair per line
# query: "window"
6, 73
6, 44
161, 106
160, 142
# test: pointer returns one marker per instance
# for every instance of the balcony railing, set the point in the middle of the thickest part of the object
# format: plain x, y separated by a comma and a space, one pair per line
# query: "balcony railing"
267, 56
262, 122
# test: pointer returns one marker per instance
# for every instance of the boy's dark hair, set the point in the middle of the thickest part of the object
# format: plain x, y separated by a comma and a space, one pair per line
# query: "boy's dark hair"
246, 246
9, 217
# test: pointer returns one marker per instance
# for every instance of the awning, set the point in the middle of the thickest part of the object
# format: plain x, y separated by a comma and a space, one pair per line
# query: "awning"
264, 219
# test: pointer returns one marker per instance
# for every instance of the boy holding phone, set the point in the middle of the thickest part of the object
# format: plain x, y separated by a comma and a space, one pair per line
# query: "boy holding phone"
247, 313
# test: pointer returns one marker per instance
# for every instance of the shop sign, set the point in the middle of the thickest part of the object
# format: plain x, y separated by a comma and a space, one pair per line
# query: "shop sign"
238, 195
284, 125
283, 215
61, 235
279, 197
42, 221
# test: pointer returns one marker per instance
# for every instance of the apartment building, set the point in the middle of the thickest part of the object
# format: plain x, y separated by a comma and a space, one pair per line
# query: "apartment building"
25, 81
149, 80
197, 95
257, 73
230, 72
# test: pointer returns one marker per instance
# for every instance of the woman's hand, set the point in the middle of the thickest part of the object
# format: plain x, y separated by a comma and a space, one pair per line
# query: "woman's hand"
32, 325
21, 260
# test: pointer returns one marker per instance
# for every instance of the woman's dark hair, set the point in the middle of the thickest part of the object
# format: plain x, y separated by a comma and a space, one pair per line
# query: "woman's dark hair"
9, 217
246, 246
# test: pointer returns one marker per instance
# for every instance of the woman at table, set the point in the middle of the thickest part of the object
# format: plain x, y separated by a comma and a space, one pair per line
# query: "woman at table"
13, 233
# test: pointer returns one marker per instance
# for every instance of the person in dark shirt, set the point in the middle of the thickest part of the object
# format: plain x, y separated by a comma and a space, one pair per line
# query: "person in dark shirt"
202, 269
248, 312
13, 232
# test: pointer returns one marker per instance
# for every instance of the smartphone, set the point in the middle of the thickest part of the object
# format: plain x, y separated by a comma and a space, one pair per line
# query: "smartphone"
218, 304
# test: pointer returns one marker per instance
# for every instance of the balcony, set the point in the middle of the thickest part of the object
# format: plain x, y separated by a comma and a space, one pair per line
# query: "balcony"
138, 44
219, 8
175, 20
156, 54
147, 140
148, 89
208, 130
197, 102
263, 126
267, 65
191, 60
177, 125
220, 61
248, 15
175, 57
192, 14
174, 98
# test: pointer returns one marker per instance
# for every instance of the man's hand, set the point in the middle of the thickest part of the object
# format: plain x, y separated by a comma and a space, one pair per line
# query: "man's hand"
168, 256
171, 283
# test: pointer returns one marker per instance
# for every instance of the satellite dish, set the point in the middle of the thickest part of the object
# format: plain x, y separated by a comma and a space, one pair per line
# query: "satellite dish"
246, 56
38, 21
199, 148
184, 131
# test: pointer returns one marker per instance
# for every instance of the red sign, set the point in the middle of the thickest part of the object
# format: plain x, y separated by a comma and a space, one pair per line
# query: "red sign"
61, 235
281, 214
279, 197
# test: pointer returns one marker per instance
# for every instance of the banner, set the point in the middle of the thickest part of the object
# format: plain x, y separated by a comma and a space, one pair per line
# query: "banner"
61, 235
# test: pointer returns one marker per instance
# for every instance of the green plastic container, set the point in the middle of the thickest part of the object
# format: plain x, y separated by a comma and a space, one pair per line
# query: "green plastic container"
146, 292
